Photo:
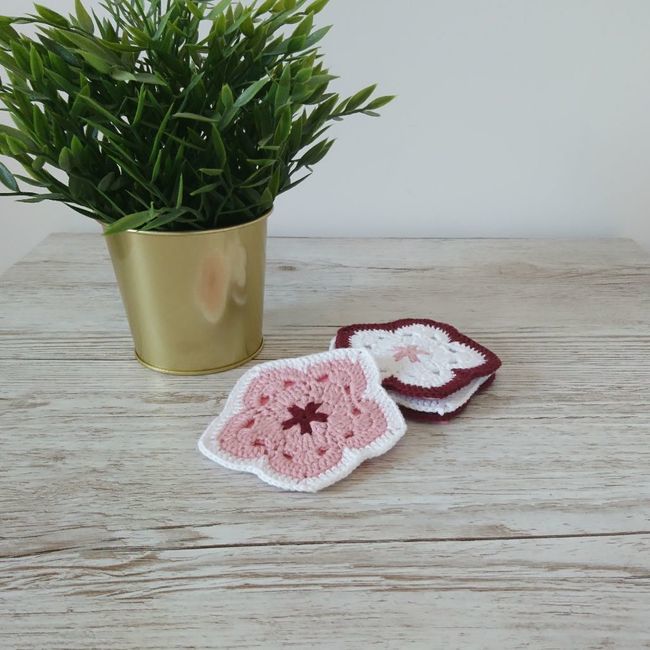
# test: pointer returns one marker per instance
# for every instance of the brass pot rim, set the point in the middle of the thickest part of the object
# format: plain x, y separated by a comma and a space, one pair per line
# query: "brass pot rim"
195, 233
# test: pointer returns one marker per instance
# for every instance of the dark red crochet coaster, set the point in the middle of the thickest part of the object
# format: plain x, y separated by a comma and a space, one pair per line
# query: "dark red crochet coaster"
421, 358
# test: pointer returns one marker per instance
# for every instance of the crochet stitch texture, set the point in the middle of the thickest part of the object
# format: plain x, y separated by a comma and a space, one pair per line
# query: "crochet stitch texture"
421, 358
430, 411
304, 424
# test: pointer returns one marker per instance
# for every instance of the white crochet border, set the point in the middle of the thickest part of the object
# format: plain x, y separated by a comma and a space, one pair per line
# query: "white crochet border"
352, 458
443, 406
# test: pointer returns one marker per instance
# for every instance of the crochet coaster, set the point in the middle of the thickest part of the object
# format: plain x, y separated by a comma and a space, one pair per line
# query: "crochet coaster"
424, 410
421, 358
304, 424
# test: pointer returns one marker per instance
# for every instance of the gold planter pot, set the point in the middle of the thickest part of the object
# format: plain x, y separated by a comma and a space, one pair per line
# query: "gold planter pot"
194, 300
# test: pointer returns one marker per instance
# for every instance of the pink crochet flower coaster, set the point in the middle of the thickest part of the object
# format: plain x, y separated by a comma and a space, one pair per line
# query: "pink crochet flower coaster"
304, 424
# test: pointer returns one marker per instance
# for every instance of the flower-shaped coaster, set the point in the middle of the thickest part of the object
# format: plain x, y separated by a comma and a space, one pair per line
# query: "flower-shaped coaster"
304, 424
428, 367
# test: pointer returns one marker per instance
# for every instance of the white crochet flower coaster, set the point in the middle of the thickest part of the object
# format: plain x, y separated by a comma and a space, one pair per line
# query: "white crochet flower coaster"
421, 358
304, 424
429, 368
443, 410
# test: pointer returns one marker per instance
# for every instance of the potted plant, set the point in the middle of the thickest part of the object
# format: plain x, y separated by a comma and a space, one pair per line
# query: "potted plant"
175, 124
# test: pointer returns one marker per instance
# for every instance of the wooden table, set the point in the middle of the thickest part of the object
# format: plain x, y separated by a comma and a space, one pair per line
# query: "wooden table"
523, 524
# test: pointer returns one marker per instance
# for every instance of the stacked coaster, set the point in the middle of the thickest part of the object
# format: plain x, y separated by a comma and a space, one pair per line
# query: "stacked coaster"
304, 424
429, 368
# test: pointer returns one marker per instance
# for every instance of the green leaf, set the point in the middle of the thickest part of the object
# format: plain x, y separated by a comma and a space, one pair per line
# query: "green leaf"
303, 76
195, 118
36, 64
7, 179
41, 127
248, 27
65, 160
84, 18
142, 96
31, 181
205, 189
219, 147
181, 191
210, 171
380, 102
157, 166
76, 147
51, 16
227, 98
100, 110
356, 100
97, 62
165, 217
219, 9
21, 57
316, 36
283, 92
317, 6
150, 78
284, 127
92, 46
106, 182
121, 75
38, 163
266, 200
265, 7
251, 92
130, 222
17, 135
160, 133
16, 147
43, 197
316, 153
305, 27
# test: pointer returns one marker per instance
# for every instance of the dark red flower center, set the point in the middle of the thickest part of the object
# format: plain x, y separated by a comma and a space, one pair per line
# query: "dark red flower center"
304, 417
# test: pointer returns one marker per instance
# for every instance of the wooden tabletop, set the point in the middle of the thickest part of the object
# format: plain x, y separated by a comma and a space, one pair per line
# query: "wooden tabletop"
525, 523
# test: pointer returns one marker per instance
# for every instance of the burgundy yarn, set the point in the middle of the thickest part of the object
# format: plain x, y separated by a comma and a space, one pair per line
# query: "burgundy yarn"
462, 376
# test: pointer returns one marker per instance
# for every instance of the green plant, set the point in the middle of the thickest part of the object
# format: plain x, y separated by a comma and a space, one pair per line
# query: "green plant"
169, 114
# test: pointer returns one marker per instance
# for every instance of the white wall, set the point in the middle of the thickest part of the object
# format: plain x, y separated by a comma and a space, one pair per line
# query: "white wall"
515, 118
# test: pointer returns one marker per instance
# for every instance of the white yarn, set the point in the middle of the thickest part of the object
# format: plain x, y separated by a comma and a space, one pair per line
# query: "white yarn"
439, 358
444, 406
381, 345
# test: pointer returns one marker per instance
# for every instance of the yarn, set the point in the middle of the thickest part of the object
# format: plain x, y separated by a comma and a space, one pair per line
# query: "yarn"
429, 368
304, 424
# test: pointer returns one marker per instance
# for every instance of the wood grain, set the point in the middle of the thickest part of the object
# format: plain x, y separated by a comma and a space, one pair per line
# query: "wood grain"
538, 594
525, 523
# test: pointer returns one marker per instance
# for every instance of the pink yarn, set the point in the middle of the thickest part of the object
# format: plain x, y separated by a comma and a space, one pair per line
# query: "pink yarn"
303, 420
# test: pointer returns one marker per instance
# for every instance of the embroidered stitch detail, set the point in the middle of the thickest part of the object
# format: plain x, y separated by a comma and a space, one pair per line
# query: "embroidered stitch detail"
410, 352
304, 417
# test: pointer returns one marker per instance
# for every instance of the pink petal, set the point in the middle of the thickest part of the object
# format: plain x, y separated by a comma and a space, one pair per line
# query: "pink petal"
305, 456
341, 373
274, 387
250, 435
361, 426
